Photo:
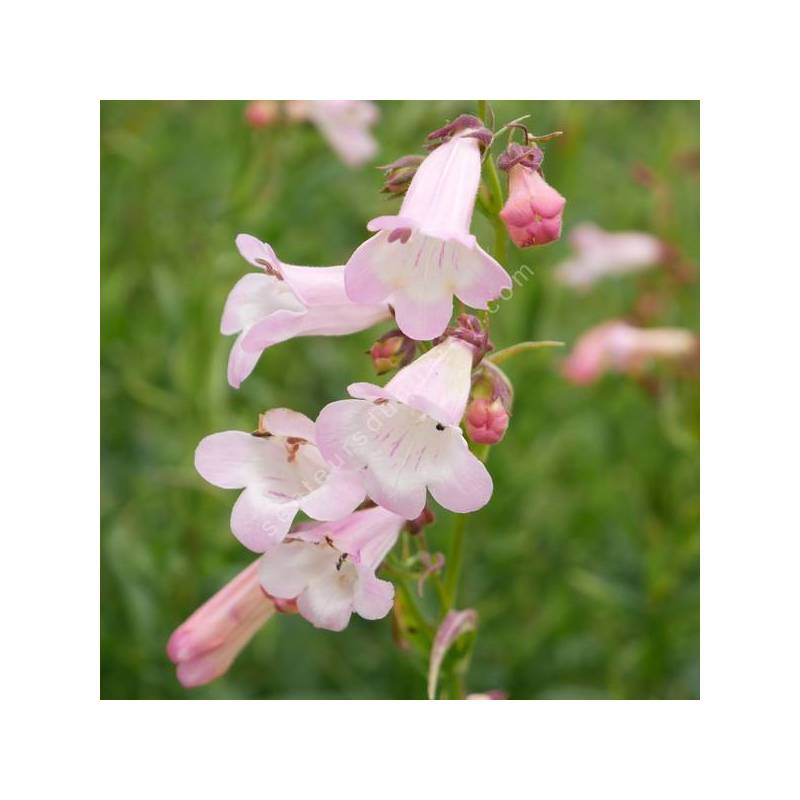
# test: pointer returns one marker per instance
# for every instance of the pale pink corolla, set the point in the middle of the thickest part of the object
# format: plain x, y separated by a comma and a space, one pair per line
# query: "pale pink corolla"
425, 254
329, 568
282, 301
534, 209
620, 347
405, 439
281, 473
204, 647
345, 124
599, 253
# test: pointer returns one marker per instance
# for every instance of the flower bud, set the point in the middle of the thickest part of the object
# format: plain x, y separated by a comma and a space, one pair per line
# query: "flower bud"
391, 351
427, 517
399, 173
488, 413
532, 214
486, 421
261, 113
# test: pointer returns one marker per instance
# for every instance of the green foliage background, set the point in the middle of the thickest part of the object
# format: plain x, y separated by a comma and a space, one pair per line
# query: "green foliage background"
585, 565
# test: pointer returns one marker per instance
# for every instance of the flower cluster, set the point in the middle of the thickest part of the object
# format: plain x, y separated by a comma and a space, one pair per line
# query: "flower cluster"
362, 471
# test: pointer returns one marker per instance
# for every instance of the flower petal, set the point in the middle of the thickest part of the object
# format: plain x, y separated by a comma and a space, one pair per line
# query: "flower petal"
232, 459
260, 522
340, 494
373, 598
465, 484
241, 362
258, 253
422, 315
440, 379
277, 327
373, 270
253, 297
286, 570
480, 278
285, 422
327, 603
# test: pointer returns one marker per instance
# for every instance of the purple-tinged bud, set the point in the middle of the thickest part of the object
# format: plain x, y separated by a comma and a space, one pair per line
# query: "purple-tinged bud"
394, 349
427, 517
468, 328
399, 174
486, 421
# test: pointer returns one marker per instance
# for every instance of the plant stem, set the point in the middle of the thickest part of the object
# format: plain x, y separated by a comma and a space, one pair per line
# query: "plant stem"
509, 352
455, 559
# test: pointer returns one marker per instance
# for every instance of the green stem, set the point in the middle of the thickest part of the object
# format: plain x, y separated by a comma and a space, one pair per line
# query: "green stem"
520, 347
455, 559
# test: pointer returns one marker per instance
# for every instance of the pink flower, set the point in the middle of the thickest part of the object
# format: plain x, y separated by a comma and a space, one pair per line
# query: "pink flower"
486, 420
330, 568
282, 301
261, 113
204, 647
599, 253
345, 124
619, 347
423, 256
405, 438
533, 211
282, 472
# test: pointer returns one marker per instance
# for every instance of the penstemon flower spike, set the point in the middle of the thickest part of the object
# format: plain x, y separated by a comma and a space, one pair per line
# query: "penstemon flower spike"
392, 444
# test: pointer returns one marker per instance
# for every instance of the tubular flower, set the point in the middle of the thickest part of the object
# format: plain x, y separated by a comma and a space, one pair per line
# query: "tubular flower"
345, 124
329, 568
599, 253
204, 647
283, 301
532, 214
405, 438
425, 254
619, 347
281, 471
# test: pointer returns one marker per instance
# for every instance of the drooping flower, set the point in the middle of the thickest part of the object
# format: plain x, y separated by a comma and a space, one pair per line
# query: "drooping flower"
424, 255
620, 347
532, 214
282, 301
281, 471
329, 568
205, 645
345, 124
405, 438
599, 253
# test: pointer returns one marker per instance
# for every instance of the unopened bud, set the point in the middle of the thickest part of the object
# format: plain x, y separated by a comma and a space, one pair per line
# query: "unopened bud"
414, 526
399, 174
486, 420
394, 349
489, 409
261, 113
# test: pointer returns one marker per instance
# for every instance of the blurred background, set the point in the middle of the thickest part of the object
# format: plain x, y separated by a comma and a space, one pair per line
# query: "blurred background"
584, 567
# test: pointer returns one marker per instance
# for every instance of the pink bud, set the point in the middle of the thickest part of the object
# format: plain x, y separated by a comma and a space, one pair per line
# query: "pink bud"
261, 113
486, 420
533, 211
391, 351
